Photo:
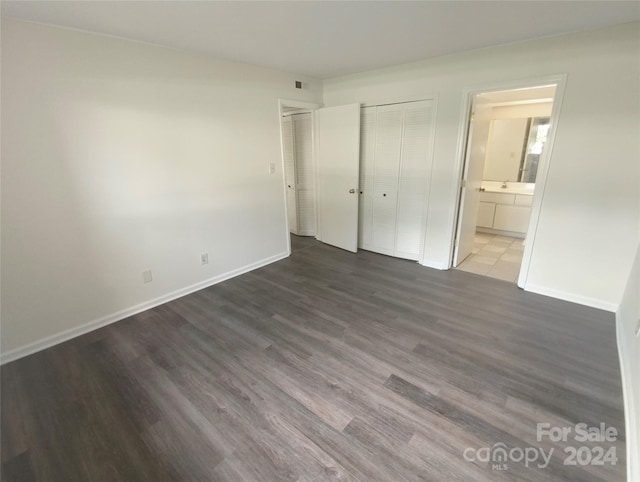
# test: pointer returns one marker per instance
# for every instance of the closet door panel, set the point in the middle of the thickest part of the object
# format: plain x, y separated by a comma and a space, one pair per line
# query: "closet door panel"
367, 166
385, 189
414, 175
304, 174
288, 152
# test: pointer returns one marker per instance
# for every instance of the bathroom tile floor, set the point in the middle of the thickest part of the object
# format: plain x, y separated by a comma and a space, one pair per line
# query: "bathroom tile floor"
495, 256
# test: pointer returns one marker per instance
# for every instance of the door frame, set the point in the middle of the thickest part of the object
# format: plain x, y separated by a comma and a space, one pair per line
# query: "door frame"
543, 165
312, 106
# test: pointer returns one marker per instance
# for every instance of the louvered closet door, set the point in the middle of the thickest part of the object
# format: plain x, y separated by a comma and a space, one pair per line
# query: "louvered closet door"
288, 152
385, 183
367, 164
304, 175
413, 182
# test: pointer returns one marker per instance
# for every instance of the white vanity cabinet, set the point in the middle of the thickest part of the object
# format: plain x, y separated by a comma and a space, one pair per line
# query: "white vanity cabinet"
486, 213
504, 212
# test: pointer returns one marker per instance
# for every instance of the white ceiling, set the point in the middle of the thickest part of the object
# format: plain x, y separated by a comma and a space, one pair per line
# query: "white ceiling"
326, 39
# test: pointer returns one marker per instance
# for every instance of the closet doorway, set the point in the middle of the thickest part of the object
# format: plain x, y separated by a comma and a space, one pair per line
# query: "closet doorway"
297, 151
320, 155
286, 108
509, 137
359, 176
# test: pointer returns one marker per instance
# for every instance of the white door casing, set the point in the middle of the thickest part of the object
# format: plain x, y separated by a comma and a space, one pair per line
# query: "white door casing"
338, 165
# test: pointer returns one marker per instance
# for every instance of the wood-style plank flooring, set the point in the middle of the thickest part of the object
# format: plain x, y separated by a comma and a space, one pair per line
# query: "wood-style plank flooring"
323, 366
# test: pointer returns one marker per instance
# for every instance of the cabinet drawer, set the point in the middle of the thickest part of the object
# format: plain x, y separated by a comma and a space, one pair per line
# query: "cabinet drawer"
498, 198
486, 212
512, 218
523, 200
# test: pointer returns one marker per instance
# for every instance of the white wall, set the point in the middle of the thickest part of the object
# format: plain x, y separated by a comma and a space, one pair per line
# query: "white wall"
627, 318
588, 226
119, 157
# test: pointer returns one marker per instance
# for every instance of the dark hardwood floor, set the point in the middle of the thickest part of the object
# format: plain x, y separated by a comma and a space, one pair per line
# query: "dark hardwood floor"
323, 366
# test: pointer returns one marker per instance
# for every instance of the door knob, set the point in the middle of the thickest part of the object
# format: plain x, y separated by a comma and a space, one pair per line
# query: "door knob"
351, 191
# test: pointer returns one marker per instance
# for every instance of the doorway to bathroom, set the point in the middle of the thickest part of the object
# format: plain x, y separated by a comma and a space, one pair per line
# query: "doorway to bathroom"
507, 139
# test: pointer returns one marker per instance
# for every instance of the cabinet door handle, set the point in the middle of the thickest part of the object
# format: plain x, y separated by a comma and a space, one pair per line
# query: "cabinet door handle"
384, 194
352, 191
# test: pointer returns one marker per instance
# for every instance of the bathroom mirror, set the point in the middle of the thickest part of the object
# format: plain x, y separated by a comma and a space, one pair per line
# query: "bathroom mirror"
514, 148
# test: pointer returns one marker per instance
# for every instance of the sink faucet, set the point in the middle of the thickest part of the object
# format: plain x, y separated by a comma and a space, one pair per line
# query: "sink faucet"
504, 184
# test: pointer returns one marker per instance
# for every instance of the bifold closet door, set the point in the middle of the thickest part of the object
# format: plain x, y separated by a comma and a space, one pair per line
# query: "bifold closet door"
288, 153
368, 117
395, 161
385, 177
304, 174
414, 179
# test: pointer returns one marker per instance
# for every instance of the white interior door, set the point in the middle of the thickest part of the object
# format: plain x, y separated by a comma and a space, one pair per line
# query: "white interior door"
472, 180
385, 184
338, 134
288, 152
304, 182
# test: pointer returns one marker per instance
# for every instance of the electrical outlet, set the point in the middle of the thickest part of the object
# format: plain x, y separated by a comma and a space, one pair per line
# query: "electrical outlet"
638, 328
146, 276
204, 258
272, 168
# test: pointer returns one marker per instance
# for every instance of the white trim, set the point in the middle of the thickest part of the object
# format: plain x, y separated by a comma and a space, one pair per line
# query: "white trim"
63, 336
632, 437
541, 182
574, 298
434, 264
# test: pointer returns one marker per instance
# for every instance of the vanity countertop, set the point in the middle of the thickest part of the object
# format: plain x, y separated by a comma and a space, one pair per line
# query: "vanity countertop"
526, 189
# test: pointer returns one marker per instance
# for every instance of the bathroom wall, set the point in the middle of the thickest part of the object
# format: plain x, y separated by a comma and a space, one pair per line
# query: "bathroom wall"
507, 138
504, 149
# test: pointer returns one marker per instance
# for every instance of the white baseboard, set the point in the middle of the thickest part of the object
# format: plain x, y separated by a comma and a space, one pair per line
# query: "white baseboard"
63, 336
572, 297
434, 264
